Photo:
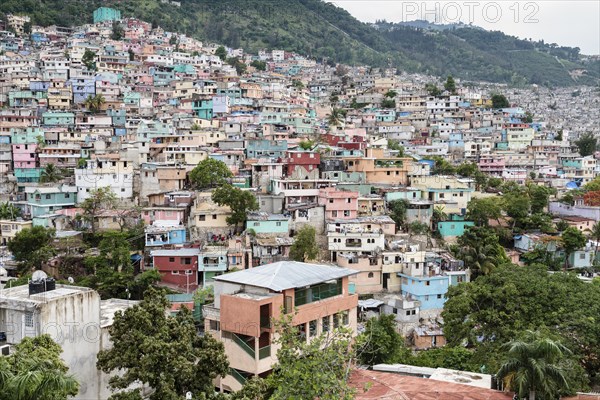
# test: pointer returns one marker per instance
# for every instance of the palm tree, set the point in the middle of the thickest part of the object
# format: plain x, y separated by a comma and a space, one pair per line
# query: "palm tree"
438, 216
50, 174
336, 117
41, 380
533, 366
94, 103
595, 234
480, 259
9, 211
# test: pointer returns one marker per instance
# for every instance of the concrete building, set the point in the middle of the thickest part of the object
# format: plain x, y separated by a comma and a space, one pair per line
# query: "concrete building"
246, 303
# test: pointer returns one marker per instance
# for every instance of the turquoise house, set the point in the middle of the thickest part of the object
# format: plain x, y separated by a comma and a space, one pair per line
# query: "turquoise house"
106, 14
58, 118
25, 136
453, 228
403, 194
266, 148
262, 222
26, 175
203, 108
45, 200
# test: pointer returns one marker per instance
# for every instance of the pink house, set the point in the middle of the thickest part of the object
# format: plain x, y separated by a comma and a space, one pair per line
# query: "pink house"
151, 214
339, 204
24, 155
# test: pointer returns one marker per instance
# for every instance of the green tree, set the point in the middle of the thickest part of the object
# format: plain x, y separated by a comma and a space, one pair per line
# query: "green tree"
467, 169
259, 65
210, 173
450, 85
50, 174
495, 308
239, 66
99, 200
500, 101
390, 94
572, 239
163, 352
533, 367
587, 144
439, 215
31, 247
336, 117
9, 211
221, 52
517, 206
441, 166
305, 246
397, 211
480, 250
35, 371
380, 343
481, 210
388, 103
89, 59
457, 358
315, 369
432, 89
94, 103
240, 201
118, 32
173, 40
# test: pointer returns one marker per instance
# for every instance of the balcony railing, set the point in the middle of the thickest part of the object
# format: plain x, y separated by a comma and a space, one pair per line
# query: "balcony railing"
237, 376
245, 346
264, 352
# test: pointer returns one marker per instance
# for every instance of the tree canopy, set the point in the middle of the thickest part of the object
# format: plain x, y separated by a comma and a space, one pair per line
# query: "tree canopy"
209, 173
164, 352
496, 308
240, 201
305, 246
587, 144
35, 371
31, 247
500, 101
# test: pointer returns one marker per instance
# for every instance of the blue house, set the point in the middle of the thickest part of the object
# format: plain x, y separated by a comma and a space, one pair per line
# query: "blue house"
211, 263
45, 200
454, 227
203, 108
431, 290
162, 233
58, 118
263, 222
82, 88
266, 148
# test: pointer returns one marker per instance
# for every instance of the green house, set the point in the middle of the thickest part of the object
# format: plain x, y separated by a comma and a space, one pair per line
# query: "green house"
106, 14
454, 227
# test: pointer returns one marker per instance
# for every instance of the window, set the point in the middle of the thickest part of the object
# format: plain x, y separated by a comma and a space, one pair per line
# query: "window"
331, 201
312, 328
171, 259
186, 260
256, 224
47, 197
439, 296
67, 195
278, 223
201, 217
214, 216
408, 312
189, 272
174, 272
582, 256
215, 325
371, 275
427, 283
325, 323
29, 319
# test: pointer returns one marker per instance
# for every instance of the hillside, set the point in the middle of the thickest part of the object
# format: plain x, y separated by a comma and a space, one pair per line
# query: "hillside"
322, 30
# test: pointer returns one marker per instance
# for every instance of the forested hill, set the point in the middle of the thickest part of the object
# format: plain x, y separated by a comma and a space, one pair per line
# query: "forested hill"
322, 30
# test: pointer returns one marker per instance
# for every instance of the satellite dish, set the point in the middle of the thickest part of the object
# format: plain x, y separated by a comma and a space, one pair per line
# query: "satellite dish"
188, 396
71, 280
39, 275
3, 272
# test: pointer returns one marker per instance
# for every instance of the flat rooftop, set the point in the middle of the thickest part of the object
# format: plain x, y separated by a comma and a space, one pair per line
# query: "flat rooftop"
21, 293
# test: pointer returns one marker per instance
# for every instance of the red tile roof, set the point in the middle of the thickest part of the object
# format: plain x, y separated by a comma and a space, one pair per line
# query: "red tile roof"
372, 385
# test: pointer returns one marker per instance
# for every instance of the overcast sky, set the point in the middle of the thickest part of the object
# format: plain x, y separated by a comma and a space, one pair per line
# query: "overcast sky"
565, 22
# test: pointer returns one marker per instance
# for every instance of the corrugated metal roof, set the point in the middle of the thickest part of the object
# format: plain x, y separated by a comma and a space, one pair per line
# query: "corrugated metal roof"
284, 275
178, 252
